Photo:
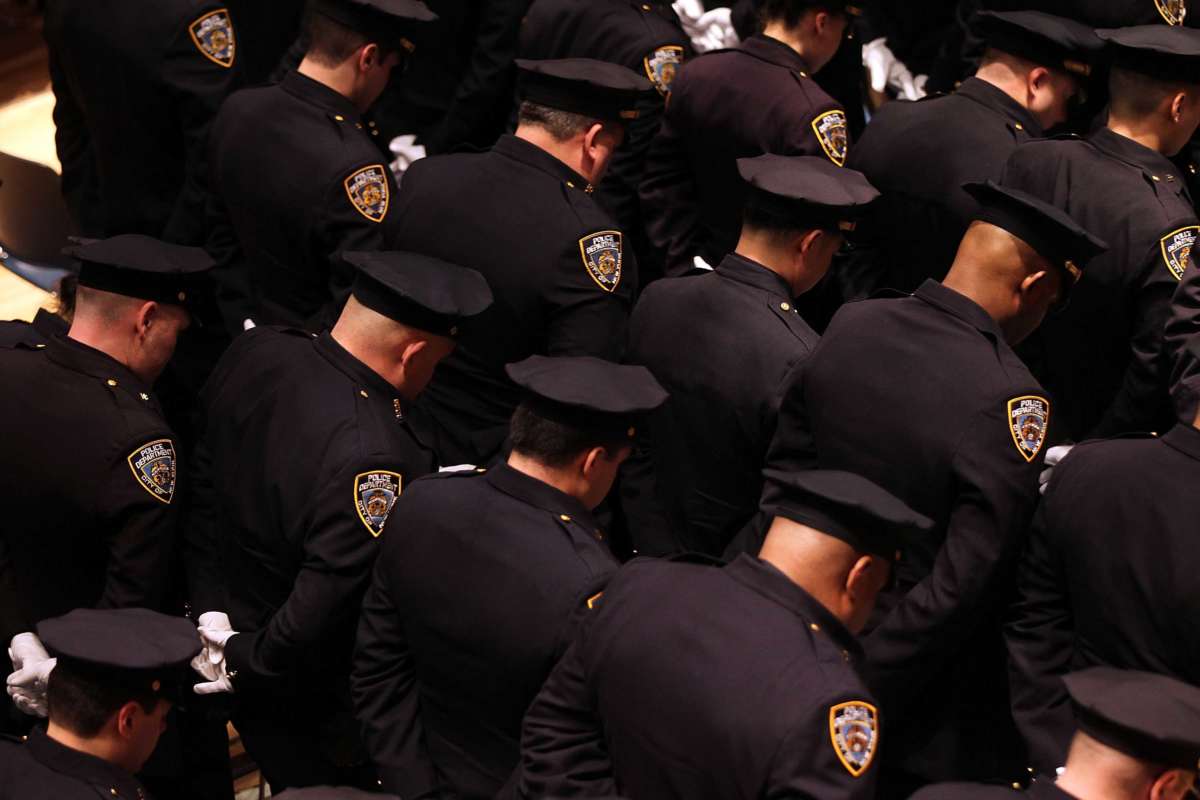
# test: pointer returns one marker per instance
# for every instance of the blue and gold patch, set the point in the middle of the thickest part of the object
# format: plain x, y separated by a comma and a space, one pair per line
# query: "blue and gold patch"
374, 495
854, 730
833, 135
368, 191
1029, 421
153, 465
602, 257
1177, 249
1173, 11
662, 66
213, 35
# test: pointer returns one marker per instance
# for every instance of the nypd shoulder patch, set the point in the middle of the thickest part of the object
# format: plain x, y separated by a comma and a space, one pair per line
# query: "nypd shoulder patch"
153, 466
368, 191
603, 256
213, 35
1028, 422
374, 495
854, 730
662, 66
1173, 11
1177, 249
834, 136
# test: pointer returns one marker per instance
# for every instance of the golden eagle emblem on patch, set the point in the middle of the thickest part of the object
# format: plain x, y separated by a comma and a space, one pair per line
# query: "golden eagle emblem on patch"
662, 66
213, 35
1177, 249
374, 495
1173, 11
854, 729
1029, 421
833, 135
368, 191
153, 465
602, 257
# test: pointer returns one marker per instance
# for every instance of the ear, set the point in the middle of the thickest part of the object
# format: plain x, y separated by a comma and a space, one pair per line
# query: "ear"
863, 576
808, 240
591, 458
126, 716
1178, 102
148, 313
1171, 785
1038, 79
369, 57
821, 20
591, 137
1031, 284
412, 350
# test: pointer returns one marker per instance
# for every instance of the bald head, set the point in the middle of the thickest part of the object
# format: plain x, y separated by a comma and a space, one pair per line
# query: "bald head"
403, 356
140, 334
1096, 770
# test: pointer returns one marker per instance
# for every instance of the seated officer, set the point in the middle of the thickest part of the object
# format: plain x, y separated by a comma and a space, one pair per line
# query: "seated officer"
1138, 738
473, 605
695, 682
118, 672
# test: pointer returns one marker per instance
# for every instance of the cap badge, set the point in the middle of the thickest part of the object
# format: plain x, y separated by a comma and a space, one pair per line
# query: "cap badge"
602, 257
1172, 11
368, 191
153, 465
1029, 420
1177, 249
833, 135
662, 66
213, 36
854, 729
374, 495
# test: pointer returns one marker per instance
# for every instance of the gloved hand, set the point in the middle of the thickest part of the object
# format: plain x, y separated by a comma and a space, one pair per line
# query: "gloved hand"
210, 662
1053, 456
708, 30
32, 666
888, 72
406, 150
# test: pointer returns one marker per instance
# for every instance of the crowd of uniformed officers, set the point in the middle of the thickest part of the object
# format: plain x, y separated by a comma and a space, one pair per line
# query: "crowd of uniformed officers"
531, 399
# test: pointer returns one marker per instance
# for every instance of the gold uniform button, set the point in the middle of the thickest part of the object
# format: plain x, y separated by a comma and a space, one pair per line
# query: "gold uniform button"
111, 382
1155, 178
564, 518
1019, 126
113, 792
814, 626
339, 117
785, 306
40, 346
362, 392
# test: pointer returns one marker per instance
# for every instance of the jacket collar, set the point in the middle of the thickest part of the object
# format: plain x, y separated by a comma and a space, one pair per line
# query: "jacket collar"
542, 495
765, 579
317, 93
530, 154
83, 767
992, 97
1152, 163
775, 52
958, 305
79, 357
738, 268
1185, 439
359, 373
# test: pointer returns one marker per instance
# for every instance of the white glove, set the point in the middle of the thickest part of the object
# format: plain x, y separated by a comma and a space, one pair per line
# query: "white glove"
700, 263
32, 666
708, 30
210, 662
887, 71
406, 150
1053, 456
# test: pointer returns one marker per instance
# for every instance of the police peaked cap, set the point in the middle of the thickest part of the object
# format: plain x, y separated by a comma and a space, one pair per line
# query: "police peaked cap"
584, 86
379, 20
813, 191
1045, 39
418, 291
845, 506
1164, 52
139, 266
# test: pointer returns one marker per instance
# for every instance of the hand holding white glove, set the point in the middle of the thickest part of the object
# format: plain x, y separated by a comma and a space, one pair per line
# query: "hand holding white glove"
32, 666
888, 72
215, 631
406, 150
708, 30
1053, 456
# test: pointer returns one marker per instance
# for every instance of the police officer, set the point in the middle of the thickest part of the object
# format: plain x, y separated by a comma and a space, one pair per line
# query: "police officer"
1126, 493
305, 448
523, 214
667, 692
118, 673
924, 395
920, 154
1138, 736
44, 326
455, 669
756, 98
295, 175
1103, 356
136, 88
723, 343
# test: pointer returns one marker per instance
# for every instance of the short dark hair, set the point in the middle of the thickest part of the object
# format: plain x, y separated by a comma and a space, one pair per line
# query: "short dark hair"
562, 125
1136, 95
83, 700
765, 219
330, 42
554, 443
790, 12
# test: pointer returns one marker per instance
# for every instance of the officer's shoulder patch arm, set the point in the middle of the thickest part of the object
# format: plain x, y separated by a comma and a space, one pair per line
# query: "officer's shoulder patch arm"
213, 35
375, 493
154, 467
368, 191
833, 134
854, 734
662, 65
1175, 248
1028, 420
603, 255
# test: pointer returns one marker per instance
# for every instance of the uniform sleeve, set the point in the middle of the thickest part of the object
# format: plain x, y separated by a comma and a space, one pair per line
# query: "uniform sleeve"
202, 546
590, 303
807, 763
74, 147
668, 190
792, 447
1182, 345
12, 621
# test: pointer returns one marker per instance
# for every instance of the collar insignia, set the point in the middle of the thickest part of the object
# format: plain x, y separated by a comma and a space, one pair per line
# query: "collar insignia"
1029, 421
662, 66
213, 36
368, 191
602, 258
1177, 249
854, 729
374, 495
153, 465
833, 135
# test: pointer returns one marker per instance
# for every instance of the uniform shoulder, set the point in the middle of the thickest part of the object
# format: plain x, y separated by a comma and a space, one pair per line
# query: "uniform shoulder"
965, 791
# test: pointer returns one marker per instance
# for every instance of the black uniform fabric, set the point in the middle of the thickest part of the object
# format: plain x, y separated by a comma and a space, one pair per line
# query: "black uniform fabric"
729, 104
265, 32
303, 452
923, 396
645, 37
1127, 494
42, 769
295, 179
1041, 789
722, 345
1103, 356
561, 274
136, 88
467, 613
919, 155
667, 693
44, 326
1181, 345
92, 490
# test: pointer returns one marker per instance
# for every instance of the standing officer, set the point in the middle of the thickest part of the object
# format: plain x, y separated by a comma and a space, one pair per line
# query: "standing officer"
1138, 737
1127, 494
667, 692
723, 343
924, 395
305, 450
118, 673
1103, 356
296, 178
523, 214
920, 154
136, 88
443, 676
756, 98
